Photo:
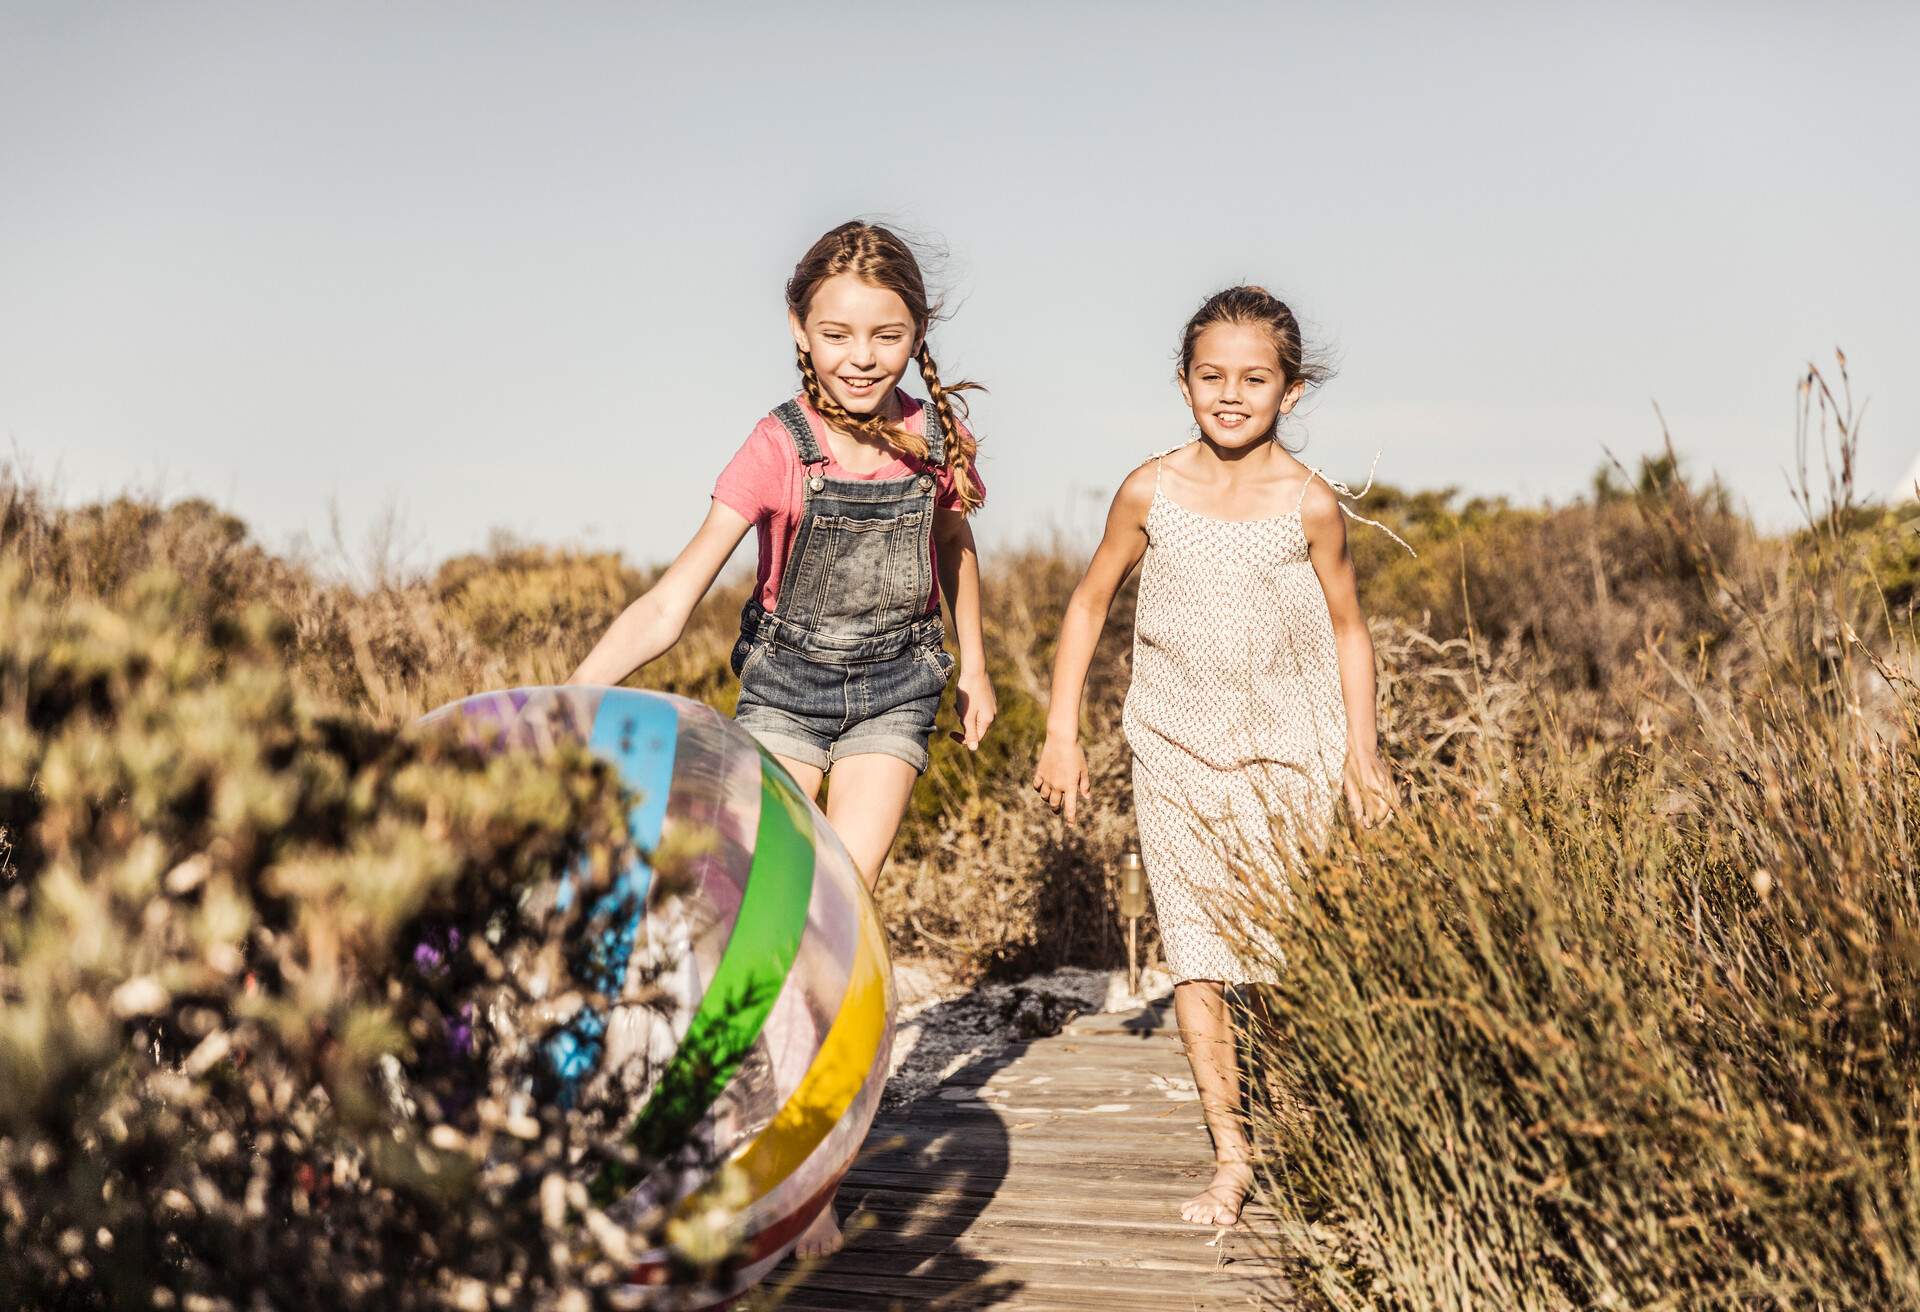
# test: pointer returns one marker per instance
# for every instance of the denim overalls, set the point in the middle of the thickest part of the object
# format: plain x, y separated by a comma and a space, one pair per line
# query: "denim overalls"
851, 662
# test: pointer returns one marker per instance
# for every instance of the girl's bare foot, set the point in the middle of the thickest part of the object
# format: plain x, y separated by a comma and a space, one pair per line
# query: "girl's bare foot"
822, 1238
1219, 1203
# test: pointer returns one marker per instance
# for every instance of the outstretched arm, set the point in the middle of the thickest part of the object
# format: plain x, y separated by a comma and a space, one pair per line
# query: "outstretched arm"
1369, 787
960, 584
1061, 776
654, 621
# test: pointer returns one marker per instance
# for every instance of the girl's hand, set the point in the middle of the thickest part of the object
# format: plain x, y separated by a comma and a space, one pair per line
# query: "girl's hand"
1061, 776
1369, 788
974, 702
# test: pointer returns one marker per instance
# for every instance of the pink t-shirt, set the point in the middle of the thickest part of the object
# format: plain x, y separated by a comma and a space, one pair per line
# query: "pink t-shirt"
763, 482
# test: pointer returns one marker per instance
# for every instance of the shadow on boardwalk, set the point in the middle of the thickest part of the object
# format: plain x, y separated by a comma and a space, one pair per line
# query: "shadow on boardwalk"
1048, 1175
901, 1209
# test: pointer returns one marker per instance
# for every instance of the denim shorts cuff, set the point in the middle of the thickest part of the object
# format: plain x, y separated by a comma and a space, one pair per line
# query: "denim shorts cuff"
905, 749
794, 749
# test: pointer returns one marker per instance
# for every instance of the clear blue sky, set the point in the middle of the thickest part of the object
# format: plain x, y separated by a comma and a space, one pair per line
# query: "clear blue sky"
519, 266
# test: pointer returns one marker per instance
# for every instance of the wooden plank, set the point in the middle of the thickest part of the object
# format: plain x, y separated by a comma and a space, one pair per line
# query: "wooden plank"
826, 1297
1181, 1247
1075, 1076
1090, 1183
1093, 1053
1070, 1082
1100, 1044
1105, 1122
928, 1207
830, 1294
1002, 1103
822, 1291
1070, 1086
1011, 1289
1022, 1152
1144, 1249
1154, 1020
1039, 1075
1176, 1129
997, 1117
1109, 1046
1046, 1176
1255, 1235
1071, 1072
913, 1273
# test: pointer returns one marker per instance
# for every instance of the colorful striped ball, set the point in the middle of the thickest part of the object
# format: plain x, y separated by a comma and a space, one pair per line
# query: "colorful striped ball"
768, 1054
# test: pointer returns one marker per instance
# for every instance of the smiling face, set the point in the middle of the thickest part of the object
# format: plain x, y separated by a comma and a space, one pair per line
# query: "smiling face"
1236, 386
861, 338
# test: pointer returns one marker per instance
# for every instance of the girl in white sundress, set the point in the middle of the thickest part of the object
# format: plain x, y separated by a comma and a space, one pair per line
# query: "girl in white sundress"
1252, 703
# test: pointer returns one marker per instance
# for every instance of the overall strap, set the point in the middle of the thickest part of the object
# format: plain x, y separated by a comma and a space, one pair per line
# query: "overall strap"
935, 432
794, 420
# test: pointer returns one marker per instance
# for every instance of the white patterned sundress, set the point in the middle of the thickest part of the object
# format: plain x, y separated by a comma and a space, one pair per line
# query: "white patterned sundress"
1235, 720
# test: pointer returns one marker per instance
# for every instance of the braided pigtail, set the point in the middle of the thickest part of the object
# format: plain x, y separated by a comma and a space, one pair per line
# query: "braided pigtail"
960, 444
880, 259
873, 427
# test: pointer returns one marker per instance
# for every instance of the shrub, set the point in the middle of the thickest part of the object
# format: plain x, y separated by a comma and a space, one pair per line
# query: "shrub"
265, 971
1627, 1018
1586, 585
1630, 1030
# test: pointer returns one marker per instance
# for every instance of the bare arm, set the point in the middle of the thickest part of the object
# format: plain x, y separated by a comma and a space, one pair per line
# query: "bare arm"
1369, 788
960, 584
1061, 777
654, 621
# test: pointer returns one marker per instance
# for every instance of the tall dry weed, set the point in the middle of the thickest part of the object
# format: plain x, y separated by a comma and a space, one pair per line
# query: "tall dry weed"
1624, 1017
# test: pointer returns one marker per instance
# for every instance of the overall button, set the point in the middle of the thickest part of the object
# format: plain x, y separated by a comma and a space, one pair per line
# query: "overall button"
926, 481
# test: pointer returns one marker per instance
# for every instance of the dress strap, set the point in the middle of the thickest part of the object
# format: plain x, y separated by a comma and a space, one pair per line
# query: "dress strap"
1307, 482
1158, 457
1342, 494
794, 420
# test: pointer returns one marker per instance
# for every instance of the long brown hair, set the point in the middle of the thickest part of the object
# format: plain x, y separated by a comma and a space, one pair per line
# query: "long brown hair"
874, 255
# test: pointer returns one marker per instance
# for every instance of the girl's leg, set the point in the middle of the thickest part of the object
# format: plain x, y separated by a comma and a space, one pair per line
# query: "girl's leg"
868, 800
823, 1236
807, 776
1200, 1005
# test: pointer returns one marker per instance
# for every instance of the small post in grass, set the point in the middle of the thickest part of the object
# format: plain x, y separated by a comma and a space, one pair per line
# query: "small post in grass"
1133, 905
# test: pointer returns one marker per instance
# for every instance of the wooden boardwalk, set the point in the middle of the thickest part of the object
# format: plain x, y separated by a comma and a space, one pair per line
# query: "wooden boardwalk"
1046, 1176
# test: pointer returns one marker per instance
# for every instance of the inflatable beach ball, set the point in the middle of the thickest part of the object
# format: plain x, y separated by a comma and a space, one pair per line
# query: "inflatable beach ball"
751, 1012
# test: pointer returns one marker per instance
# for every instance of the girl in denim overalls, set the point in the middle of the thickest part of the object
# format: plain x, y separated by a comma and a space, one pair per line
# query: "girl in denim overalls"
860, 497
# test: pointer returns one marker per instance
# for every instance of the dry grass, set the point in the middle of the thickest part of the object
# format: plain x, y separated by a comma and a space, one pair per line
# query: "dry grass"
228, 1077
1619, 1012
1623, 1012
